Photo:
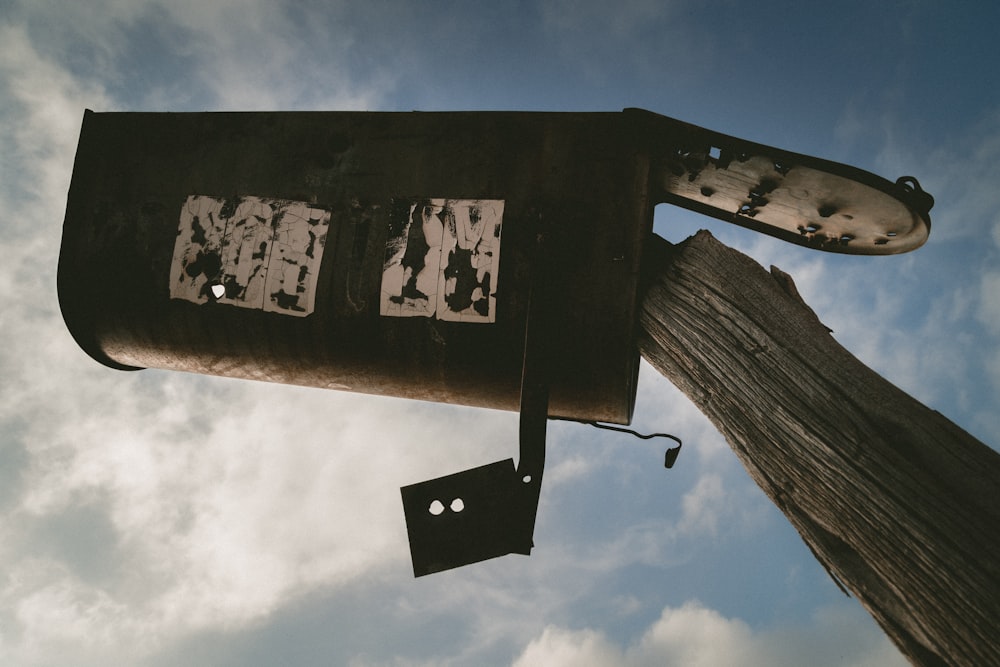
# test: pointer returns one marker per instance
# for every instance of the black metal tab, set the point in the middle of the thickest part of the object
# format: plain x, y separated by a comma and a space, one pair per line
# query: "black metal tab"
490, 511
468, 517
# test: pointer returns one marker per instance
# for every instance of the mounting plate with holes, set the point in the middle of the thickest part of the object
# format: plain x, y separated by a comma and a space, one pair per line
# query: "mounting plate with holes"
798, 198
468, 517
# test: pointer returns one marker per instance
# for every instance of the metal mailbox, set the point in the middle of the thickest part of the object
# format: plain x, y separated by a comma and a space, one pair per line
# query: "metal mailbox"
313, 249
410, 254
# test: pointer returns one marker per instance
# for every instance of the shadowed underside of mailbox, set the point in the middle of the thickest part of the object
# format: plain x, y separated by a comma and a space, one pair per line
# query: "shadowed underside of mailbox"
483, 258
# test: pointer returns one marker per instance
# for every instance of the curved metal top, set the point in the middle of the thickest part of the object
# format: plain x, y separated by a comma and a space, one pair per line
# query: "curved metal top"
801, 199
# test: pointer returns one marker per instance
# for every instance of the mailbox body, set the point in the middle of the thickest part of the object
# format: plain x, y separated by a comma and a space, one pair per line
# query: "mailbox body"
164, 209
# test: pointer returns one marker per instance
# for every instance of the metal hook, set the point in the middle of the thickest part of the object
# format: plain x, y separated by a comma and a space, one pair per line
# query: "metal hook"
671, 455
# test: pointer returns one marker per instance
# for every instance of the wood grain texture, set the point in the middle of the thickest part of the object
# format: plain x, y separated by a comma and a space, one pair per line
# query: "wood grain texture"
898, 503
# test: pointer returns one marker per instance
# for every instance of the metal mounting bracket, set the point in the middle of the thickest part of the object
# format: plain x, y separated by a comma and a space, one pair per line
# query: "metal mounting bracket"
489, 511
801, 199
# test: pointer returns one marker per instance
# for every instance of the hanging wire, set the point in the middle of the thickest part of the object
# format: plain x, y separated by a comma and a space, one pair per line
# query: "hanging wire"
669, 458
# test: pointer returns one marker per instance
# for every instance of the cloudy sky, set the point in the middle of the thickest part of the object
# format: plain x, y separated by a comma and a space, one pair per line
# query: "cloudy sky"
159, 518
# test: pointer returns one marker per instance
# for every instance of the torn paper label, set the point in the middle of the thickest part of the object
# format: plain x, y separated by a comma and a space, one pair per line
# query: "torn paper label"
249, 252
442, 259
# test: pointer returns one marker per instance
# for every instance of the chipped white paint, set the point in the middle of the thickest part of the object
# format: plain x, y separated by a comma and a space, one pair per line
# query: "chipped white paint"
442, 259
249, 252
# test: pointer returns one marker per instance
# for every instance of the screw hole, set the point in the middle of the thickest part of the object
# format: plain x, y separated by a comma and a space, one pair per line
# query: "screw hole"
457, 505
436, 507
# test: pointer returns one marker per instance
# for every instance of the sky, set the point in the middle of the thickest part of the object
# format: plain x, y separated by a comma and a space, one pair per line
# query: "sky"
159, 518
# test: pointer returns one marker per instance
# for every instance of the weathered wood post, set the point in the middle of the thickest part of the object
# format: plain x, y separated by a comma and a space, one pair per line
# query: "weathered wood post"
899, 504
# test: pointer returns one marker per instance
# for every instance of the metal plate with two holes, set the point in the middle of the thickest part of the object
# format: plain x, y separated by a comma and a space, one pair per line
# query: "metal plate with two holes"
468, 517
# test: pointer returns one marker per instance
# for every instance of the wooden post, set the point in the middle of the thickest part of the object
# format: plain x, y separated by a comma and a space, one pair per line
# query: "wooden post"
900, 505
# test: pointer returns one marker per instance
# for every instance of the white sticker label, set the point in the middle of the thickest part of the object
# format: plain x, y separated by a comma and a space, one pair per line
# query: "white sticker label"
249, 252
442, 259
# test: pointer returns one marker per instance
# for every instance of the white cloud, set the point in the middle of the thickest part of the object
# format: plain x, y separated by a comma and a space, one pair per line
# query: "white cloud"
281, 490
231, 54
255, 56
64, 610
569, 469
41, 122
695, 636
557, 647
703, 505
42, 108
224, 500
218, 522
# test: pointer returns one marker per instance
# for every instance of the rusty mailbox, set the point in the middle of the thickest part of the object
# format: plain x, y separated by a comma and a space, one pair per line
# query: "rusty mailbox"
489, 259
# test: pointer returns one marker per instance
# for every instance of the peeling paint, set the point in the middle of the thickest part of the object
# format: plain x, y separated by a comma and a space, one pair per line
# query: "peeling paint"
249, 252
441, 260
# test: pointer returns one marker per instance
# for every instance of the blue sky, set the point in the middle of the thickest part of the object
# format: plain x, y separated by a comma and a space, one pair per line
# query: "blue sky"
159, 518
